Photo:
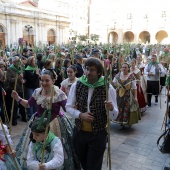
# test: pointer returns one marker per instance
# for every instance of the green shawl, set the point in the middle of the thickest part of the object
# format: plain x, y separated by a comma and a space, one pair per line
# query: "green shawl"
31, 68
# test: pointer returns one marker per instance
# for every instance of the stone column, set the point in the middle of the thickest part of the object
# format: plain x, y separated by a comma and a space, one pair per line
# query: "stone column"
60, 34
10, 32
153, 38
13, 34
57, 35
42, 37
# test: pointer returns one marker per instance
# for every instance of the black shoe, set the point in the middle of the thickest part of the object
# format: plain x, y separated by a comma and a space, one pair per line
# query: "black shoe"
14, 123
166, 168
24, 119
156, 99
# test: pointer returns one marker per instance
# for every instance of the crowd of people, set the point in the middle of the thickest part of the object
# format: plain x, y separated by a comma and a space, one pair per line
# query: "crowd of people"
79, 90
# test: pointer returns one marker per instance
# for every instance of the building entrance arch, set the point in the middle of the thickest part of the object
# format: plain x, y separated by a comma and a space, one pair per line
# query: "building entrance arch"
160, 35
2, 37
128, 36
51, 37
113, 37
144, 37
28, 35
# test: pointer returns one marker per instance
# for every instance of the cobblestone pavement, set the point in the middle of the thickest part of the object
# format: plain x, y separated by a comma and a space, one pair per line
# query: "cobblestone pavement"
131, 148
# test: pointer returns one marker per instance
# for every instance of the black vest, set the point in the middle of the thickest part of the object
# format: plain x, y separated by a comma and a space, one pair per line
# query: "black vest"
97, 106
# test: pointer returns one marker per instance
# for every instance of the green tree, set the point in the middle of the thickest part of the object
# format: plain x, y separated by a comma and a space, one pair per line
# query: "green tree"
82, 37
94, 37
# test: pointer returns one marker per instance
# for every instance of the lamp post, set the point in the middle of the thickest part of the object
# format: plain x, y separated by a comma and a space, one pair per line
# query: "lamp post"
28, 28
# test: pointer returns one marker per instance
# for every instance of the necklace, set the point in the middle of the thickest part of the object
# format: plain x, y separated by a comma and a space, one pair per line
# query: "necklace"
46, 92
124, 76
133, 69
72, 81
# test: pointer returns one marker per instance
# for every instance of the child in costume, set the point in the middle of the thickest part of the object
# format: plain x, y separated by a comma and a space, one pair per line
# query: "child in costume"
53, 157
7, 157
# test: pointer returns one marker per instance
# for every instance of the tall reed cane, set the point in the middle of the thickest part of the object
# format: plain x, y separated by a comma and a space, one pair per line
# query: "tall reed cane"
167, 112
108, 117
46, 129
72, 56
12, 109
159, 90
26, 114
10, 148
5, 111
111, 67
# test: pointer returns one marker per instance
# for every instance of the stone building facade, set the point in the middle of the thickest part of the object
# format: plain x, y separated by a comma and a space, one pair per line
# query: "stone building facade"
134, 21
35, 22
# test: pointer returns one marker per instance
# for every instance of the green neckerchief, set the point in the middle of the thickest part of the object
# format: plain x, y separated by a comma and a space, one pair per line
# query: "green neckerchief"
39, 145
16, 69
99, 82
153, 63
31, 68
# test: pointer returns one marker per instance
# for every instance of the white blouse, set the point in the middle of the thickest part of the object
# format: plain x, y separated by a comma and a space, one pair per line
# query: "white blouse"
2, 136
44, 101
56, 162
133, 82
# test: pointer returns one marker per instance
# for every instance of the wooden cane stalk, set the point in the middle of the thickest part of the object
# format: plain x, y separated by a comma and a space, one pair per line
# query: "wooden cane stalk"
46, 129
10, 148
108, 118
159, 90
111, 67
5, 111
72, 56
12, 109
26, 115
167, 112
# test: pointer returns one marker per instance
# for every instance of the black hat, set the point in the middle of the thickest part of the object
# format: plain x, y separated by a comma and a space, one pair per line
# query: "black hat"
78, 57
25, 50
86, 49
95, 51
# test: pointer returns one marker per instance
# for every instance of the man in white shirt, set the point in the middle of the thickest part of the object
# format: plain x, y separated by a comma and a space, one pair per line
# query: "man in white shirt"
153, 71
87, 104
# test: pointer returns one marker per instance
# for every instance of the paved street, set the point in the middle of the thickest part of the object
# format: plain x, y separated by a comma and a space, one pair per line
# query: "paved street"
132, 148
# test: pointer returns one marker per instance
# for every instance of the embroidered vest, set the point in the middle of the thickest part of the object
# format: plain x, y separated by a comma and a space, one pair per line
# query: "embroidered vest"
97, 106
156, 70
